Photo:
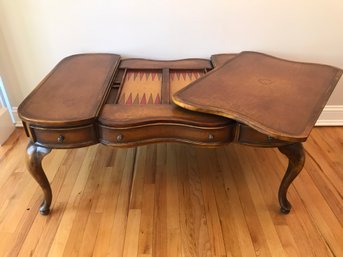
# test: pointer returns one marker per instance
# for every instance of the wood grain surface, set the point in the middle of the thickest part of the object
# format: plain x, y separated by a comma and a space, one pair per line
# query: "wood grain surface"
173, 200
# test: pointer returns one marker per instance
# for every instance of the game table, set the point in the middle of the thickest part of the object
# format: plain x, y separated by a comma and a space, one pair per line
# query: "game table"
248, 98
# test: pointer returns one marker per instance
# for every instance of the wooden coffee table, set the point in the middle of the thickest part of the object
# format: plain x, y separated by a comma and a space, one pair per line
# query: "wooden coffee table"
247, 98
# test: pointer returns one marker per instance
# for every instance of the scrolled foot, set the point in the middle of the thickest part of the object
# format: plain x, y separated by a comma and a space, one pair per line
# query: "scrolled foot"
44, 209
34, 157
285, 209
296, 159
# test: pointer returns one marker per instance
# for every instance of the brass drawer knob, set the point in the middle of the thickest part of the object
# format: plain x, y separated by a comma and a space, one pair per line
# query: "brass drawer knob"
120, 137
60, 139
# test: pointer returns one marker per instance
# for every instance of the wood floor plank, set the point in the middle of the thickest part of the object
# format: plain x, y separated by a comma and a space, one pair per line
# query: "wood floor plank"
62, 184
235, 228
160, 244
173, 200
132, 233
145, 243
111, 196
295, 244
6, 240
138, 180
323, 171
87, 202
309, 241
22, 212
13, 148
211, 210
185, 219
21, 192
173, 206
70, 210
321, 215
254, 223
121, 214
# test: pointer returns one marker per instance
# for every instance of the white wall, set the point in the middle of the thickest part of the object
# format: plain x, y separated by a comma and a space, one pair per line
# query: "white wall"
38, 33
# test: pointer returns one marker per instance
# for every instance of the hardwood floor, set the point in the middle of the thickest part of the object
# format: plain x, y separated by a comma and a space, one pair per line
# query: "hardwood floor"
173, 200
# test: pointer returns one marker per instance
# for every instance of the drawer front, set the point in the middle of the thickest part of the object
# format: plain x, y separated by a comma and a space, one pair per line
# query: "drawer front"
249, 136
166, 133
65, 137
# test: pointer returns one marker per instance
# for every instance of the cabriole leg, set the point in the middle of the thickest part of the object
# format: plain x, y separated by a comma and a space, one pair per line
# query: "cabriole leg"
34, 157
296, 160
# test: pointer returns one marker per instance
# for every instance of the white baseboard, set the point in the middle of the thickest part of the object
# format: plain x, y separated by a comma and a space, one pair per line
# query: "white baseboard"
18, 122
6, 125
332, 115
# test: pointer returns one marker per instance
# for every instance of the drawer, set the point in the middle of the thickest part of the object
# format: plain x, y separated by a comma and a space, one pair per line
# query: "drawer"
155, 133
64, 137
249, 136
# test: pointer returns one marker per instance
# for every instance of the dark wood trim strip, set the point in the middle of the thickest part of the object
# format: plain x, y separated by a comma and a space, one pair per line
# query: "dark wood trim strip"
165, 89
121, 86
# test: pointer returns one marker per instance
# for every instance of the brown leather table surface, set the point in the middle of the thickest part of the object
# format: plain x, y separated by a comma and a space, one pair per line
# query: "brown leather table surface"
277, 97
72, 93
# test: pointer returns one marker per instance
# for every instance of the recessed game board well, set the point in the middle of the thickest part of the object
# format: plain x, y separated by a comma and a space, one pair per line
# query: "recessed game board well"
154, 85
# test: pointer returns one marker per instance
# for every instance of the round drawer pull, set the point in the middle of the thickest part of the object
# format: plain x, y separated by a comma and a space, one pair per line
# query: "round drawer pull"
210, 137
60, 139
120, 137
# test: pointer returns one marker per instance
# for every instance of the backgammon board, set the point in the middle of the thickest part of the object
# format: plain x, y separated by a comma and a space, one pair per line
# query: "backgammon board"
139, 109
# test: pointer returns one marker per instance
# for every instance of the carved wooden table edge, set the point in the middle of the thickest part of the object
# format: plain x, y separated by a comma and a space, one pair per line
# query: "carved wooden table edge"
109, 74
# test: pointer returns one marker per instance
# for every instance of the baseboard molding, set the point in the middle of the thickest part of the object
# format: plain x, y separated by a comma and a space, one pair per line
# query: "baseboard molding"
332, 115
18, 122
